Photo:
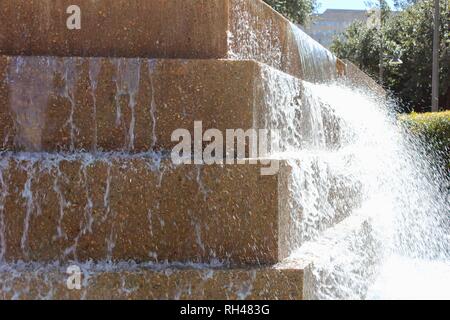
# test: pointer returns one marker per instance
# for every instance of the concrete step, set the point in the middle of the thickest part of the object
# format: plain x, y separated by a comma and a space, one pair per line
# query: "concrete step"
67, 104
107, 104
319, 193
126, 281
190, 29
351, 245
143, 208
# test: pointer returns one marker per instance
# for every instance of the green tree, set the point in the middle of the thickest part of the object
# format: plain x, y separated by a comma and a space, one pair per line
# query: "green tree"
407, 35
298, 11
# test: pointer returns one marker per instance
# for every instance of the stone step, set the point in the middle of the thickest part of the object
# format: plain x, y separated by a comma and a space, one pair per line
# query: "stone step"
351, 245
190, 29
133, 105
335, 195
125, 281
143, 208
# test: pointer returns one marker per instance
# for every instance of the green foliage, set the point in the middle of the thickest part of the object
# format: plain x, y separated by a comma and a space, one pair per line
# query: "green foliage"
434, 125
407, 35
298, 11
433, 128
360, 45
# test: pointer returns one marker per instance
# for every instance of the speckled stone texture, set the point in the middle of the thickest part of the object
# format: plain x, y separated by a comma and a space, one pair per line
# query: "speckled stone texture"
94, 104
104, 101
121, 28
144, 283
133, 105
80, 207
190, 29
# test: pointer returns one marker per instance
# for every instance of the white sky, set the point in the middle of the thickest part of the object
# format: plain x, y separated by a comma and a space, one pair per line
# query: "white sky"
345, 4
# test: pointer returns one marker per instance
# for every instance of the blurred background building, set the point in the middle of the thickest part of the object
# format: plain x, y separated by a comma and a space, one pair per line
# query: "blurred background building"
324, 27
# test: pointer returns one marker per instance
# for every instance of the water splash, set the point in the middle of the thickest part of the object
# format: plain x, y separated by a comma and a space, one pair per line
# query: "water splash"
363, 197
431, 280
370, 197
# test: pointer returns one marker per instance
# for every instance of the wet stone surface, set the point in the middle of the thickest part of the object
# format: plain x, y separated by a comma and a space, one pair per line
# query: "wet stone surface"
133, 105
142, 208
107, 281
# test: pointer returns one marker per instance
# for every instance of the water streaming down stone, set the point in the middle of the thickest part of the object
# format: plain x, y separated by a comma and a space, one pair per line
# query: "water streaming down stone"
360, 196
94, 71
395, 205
68, 70
127, 80
317, 63
3, 195
152, 64
48, 108
30, 86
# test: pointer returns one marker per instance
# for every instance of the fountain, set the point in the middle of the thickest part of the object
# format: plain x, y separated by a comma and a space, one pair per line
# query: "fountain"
397, 220
86, 180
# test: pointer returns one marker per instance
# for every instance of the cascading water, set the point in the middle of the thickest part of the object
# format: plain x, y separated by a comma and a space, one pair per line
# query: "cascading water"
318, 64
372, 215
368, 211
402, 198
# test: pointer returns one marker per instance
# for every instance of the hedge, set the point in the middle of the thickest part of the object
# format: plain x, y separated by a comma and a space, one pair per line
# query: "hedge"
433, 128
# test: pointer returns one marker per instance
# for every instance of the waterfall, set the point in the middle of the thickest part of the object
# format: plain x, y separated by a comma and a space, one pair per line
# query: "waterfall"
369, 211
365, 210
317, 63
368, 205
